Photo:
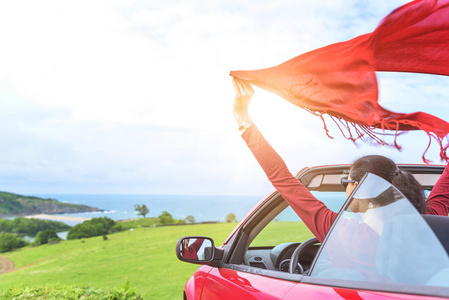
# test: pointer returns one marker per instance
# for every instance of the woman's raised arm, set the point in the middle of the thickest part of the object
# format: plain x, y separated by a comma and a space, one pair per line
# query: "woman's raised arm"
244, 92
313, 212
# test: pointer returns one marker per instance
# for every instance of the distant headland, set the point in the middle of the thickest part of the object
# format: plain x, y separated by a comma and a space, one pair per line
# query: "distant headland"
18, 205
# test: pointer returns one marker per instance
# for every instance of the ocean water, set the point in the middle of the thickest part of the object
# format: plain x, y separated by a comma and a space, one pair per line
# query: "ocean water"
202, 207
120, 207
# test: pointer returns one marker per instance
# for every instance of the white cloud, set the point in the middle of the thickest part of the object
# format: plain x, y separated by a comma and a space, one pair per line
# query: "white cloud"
135, 96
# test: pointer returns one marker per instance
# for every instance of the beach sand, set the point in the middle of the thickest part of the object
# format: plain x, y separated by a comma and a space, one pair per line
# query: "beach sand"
57, 218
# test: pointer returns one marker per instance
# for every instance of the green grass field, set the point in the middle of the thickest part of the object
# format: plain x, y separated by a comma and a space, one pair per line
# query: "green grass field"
145, 256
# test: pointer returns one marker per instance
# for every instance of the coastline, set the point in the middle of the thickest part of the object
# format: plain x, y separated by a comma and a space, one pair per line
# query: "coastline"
57, 218
121, 206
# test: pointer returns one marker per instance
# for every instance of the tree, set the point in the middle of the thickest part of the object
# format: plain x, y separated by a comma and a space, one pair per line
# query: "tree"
166, 218
9, 241
30, 227
230, 218
93, 227
190, 219
46, 236
142, 209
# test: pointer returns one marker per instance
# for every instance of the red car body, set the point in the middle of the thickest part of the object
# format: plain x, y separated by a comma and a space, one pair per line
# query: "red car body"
236, 270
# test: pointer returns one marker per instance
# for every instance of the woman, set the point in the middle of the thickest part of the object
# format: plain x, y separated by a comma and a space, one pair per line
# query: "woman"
384, 167
191, 252
313, 212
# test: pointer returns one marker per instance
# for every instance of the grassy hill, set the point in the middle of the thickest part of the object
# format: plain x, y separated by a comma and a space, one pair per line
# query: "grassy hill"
145, 256
19, 205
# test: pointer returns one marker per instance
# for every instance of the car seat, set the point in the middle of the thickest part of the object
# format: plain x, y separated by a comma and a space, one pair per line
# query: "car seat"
413, 250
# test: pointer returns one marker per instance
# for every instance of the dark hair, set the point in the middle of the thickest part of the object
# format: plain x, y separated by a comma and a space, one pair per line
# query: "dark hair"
384, 167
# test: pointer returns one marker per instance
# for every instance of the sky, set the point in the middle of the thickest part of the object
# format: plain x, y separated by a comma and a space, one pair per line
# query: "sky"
135, 97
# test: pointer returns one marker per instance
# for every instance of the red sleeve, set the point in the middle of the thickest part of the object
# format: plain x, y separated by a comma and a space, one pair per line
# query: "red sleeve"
312, 212
438, 201
197, 244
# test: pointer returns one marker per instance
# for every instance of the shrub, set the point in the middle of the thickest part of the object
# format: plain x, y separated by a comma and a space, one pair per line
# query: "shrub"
93, 227
70, 292
116, 228
46, 236
231, 218
166, 218
9, 242
190, 219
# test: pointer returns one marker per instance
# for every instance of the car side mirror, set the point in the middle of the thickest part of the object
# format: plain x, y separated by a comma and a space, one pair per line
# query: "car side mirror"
197, 250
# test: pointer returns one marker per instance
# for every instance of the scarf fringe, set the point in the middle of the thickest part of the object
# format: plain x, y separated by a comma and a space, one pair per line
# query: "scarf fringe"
354, 132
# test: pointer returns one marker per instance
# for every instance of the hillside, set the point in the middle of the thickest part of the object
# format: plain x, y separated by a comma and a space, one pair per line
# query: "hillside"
142, 257
19, 205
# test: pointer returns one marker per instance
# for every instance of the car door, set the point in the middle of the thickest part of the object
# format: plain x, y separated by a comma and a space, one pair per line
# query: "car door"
239, 282
253, 271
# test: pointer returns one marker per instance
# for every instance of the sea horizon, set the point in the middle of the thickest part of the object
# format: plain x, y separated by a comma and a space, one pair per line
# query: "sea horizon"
203, 208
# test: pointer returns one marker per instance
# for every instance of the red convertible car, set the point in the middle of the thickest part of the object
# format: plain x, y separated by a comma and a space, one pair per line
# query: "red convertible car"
388, 252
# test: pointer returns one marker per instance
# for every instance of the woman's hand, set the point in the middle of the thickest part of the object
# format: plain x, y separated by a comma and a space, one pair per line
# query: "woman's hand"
243, 95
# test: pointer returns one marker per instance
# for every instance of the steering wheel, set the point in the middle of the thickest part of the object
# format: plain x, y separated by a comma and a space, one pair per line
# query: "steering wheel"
294, 261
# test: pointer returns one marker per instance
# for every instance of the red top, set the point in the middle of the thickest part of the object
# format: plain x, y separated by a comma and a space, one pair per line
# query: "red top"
438, 201
192, 251
312, 211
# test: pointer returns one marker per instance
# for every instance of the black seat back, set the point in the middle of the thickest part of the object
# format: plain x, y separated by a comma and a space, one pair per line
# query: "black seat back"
407, 251
440, 226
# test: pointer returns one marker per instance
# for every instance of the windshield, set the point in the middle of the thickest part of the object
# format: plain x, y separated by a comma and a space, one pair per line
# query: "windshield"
388, 241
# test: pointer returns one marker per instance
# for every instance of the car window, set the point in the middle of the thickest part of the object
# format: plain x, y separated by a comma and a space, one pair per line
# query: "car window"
390, 242
287, 226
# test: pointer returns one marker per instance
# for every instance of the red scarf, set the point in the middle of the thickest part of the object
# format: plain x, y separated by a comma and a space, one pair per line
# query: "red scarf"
340, 80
